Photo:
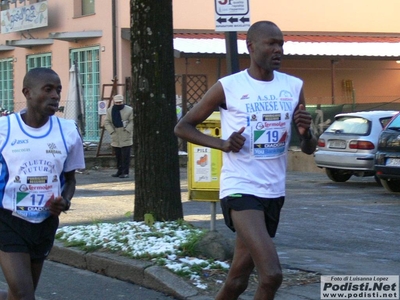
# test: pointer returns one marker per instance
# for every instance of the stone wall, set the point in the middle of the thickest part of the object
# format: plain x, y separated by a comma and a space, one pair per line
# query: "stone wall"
297, 161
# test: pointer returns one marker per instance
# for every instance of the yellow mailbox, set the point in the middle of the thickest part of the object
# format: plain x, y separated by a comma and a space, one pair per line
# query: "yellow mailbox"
204, 163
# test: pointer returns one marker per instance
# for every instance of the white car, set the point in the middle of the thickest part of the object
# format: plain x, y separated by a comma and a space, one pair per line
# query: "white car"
348, 146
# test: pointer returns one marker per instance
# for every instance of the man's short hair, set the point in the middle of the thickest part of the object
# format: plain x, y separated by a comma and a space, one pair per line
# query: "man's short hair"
256, 28
36, 73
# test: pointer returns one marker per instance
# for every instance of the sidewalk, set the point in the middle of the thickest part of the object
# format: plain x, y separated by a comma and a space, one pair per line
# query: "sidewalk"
102, 198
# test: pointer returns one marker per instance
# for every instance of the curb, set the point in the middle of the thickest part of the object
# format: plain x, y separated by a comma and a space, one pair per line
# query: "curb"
135, 271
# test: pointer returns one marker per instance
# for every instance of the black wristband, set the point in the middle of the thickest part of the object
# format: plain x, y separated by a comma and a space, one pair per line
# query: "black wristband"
309, 135
67, 204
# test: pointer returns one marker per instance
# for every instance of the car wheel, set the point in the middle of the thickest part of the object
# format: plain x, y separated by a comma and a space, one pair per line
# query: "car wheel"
391, 185
338, 175
378, 181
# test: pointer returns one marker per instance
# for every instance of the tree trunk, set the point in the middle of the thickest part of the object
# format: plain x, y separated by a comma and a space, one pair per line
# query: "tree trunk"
157, 182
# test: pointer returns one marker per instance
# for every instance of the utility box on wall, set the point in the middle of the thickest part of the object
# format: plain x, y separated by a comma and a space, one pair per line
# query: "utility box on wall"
204, 164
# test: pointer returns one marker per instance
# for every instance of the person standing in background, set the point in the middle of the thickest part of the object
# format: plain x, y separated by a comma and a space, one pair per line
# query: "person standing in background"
39, 154
119, 124
319, 120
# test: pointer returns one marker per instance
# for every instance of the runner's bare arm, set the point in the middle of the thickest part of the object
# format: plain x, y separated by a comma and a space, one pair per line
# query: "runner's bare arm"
62, 203
186, 127
302, 120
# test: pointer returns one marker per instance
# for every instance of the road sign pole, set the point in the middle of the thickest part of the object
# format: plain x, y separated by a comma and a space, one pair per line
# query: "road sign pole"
232, 57
232, 16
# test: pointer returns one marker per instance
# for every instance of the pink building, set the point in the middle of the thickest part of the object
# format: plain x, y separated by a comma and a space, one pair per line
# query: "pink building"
346, 52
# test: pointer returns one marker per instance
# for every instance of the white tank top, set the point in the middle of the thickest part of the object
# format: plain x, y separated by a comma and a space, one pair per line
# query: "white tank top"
32, 161
266, 109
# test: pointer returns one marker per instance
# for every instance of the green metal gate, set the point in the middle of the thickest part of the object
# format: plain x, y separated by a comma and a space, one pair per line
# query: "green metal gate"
88, 63
6, 84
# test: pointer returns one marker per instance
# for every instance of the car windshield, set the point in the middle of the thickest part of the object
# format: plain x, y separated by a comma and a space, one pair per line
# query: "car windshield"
395, 124
349, 125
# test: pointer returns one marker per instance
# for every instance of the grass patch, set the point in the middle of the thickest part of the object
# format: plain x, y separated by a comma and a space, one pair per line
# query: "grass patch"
170, 244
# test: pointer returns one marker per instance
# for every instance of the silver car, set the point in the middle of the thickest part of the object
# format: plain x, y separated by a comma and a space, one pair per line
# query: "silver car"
348, 146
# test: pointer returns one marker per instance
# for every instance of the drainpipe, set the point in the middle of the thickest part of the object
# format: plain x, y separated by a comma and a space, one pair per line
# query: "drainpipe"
114, 37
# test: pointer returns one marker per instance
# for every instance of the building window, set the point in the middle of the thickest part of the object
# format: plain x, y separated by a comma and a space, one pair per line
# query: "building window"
38, 61
7, 84
4, 5
83, 8
87, 7
87, 60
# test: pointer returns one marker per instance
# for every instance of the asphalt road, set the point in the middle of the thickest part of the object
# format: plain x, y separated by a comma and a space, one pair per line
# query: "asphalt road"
357, 217
326, 227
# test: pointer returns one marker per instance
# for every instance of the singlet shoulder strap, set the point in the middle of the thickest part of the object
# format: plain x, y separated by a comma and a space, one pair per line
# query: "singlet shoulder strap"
62, 133
8, 132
